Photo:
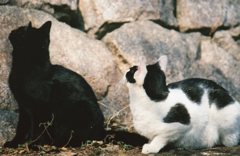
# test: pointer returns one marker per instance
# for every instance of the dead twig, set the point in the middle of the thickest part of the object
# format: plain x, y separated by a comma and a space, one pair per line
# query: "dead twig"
70, 138
115, 115
45, 125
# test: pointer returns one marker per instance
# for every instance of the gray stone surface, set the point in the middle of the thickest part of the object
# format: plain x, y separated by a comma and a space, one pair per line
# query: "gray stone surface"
98, 12
214, 52
198, 14
64, 10
72, 4
145, 41
228, 40
4, 2
219, 60
8, 123
168, 12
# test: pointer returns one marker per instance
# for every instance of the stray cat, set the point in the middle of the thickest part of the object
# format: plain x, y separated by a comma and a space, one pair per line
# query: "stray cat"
56, 105
193, 113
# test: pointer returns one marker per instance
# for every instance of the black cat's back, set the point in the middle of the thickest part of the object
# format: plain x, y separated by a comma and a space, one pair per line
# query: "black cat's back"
76, 104
69, 81
69, 87
194, 89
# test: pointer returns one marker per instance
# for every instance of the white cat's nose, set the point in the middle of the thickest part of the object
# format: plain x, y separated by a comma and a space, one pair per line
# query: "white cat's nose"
133, 69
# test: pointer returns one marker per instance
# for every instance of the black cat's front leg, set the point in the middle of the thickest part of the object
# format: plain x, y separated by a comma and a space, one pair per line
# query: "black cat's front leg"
22, 130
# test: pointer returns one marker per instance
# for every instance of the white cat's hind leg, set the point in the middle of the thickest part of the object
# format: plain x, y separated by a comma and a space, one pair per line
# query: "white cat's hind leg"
229, 124
230, 140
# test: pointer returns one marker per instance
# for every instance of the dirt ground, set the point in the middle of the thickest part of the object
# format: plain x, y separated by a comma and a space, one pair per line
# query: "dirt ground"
109, 147
98, 148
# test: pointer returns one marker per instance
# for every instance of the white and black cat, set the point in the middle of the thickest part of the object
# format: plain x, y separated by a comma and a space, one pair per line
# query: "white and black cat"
56, 105
193, 113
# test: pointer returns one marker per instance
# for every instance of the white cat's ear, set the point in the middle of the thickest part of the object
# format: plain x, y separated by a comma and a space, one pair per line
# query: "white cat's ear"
163, 61
140, 73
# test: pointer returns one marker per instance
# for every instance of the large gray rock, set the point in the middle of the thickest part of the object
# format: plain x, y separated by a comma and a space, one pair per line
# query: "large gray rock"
72, 4
223, 53
197, 14
145, 41
219, 60
68, 47
96, 13
4, 2
64, 10
228, 40
168, 12
8, 125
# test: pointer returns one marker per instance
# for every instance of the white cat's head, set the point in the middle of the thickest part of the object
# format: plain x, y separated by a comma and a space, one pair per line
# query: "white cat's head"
151, 78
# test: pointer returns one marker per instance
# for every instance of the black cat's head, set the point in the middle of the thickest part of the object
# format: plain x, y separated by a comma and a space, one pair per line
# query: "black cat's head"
29, 43
151, 78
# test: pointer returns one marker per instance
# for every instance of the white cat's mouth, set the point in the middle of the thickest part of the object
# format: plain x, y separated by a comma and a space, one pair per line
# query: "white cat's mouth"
130, 74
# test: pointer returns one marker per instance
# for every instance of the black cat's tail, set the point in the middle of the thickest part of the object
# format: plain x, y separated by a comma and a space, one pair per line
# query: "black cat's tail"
129, 138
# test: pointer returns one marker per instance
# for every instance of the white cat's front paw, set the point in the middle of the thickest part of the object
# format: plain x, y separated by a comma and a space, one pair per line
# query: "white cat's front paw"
148, 148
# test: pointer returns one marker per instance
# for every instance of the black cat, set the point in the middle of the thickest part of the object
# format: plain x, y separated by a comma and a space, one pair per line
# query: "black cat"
56, 105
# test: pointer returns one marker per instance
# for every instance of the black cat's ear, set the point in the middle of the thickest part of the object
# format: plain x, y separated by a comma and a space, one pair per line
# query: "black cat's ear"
30, 25
45, 28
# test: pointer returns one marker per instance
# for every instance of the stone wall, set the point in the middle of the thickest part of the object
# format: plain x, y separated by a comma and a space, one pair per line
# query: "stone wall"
101, 39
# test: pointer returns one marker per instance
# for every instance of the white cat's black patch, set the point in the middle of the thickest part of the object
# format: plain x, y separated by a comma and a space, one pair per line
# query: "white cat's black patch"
194, 89
155, 83
220, 97
130, 74
178, 113
191, 87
